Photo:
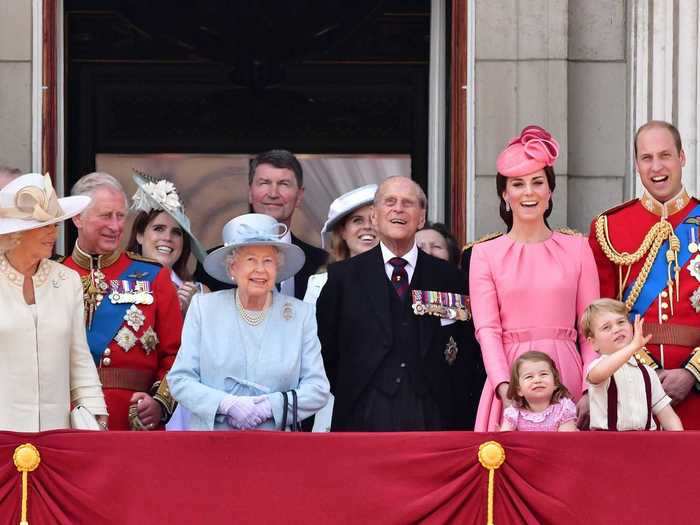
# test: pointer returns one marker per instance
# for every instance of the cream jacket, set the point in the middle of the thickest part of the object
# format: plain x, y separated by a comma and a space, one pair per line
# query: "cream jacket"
44, 366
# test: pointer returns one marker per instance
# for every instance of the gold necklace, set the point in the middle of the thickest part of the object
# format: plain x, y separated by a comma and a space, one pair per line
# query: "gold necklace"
252, 317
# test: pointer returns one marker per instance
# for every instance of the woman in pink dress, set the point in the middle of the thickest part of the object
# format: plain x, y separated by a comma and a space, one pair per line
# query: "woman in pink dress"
529, 286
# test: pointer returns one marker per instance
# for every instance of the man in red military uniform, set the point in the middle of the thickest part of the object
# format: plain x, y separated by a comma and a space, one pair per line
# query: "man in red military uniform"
647, 255
133, 318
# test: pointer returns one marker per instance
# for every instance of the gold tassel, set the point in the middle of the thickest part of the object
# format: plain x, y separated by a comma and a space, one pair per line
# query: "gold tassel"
26, 459
491, 456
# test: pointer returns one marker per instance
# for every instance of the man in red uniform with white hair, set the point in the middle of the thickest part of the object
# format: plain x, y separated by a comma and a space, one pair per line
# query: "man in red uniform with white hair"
133, 317
647, 255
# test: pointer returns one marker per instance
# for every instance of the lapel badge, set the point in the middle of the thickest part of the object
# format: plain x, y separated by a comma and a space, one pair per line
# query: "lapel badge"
694, 267
451, 351
695, 300
125, 338
287, 311
149, 340
134, 317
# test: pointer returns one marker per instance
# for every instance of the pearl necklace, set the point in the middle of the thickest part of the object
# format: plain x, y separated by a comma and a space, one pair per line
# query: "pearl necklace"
252, 317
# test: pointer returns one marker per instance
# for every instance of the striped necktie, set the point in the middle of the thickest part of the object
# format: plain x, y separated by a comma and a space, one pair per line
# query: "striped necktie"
399, 277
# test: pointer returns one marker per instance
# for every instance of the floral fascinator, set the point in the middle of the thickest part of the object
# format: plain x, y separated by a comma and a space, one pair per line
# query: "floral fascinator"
532, 150
154, 194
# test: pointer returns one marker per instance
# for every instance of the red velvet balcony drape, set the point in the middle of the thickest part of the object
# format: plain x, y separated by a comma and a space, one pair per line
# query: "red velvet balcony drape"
260, 477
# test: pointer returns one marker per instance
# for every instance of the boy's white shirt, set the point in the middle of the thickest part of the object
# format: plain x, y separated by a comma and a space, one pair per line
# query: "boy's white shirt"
632, 412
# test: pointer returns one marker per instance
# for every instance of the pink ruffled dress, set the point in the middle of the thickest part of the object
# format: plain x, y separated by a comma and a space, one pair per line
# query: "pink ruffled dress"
529, 297
546, 421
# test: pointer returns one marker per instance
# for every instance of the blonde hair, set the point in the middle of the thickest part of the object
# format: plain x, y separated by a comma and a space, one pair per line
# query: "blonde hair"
598, 307
8, 241
560, 391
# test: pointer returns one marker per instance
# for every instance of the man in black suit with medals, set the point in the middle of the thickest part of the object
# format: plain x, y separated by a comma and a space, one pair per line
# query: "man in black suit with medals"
390, 368
276, 188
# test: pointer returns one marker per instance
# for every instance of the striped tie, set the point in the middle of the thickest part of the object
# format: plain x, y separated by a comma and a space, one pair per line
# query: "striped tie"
399, 277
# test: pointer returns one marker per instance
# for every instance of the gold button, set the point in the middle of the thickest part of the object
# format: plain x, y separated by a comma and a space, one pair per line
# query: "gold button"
664, 317
107, 352
664, 305
664, 294
106, 361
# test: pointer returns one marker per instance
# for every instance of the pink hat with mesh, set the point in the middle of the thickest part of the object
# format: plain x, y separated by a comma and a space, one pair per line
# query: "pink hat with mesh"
527, 153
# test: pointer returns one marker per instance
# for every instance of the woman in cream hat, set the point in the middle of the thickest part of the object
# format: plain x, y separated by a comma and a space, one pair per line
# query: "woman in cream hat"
347, 232
162, 232
45, 361
243, 350
529, 286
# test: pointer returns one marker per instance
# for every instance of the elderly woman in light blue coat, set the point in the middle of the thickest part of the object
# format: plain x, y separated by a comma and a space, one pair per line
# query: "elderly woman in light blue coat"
242, 348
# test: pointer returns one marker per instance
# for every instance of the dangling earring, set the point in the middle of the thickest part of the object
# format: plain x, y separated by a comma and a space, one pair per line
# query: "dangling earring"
507, 207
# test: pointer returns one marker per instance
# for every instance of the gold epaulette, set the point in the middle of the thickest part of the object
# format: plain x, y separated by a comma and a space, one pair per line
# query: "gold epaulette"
485, 238
138, 257
619, 207
693, 364
569, 231
643, 357
165, 399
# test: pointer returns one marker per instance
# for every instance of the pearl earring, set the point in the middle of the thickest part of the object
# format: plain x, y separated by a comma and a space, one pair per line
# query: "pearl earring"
507, 206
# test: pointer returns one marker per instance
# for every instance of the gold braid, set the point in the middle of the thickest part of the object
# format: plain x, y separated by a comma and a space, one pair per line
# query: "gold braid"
653, 240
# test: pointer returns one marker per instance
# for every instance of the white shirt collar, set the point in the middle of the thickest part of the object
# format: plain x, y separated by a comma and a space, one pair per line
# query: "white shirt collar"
287, 237
411, 257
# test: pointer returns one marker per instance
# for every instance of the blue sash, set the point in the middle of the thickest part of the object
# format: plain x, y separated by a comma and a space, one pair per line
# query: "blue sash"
658, 275
109, 316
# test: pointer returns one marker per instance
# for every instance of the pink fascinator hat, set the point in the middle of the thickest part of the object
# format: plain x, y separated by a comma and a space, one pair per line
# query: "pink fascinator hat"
527, 153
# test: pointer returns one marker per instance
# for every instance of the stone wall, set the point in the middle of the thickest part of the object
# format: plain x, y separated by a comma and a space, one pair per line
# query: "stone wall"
15, 83
560, 64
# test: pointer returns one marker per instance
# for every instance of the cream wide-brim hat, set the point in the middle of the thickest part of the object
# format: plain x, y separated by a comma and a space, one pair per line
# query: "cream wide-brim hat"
32, 196
254, 229
345, 205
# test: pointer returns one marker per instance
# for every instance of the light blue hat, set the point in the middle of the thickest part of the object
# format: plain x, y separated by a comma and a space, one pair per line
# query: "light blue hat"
254, 229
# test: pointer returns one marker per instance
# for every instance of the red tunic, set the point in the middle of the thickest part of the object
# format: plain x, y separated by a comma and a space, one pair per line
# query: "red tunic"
163, 315
627, 226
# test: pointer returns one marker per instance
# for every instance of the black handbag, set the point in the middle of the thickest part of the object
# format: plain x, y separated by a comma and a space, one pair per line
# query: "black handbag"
296, 425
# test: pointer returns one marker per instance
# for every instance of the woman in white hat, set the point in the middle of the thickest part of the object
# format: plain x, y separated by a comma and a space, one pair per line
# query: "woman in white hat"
347, 232
162, 232
45, 362
244, 350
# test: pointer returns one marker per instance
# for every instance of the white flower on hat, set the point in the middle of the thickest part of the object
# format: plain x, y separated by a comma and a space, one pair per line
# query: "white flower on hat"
162, 193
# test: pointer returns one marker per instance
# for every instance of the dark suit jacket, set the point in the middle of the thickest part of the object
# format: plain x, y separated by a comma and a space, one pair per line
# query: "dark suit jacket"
315, 258
355, 330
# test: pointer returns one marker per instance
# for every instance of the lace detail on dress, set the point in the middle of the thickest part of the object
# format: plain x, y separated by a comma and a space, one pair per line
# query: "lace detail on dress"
17, 278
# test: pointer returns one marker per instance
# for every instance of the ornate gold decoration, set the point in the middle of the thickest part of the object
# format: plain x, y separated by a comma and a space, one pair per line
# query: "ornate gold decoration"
643, 357
693, 364
569, 231
166, 400
26, 459
149, 340
668, 208
491, 456
651, 244
486, 237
